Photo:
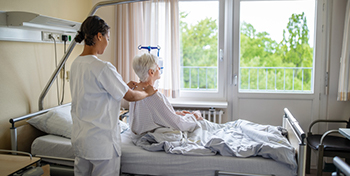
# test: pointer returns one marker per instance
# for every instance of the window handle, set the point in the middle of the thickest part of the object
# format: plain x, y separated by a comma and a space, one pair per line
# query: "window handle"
235, 80
221, 55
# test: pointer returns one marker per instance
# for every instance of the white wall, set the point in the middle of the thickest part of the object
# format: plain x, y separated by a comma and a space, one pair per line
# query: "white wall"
25, 67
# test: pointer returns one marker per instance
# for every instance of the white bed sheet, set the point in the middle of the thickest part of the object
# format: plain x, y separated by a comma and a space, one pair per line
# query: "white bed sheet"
138, 161
52, 145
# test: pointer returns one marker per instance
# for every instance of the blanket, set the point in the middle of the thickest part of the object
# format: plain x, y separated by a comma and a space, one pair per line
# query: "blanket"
240, 138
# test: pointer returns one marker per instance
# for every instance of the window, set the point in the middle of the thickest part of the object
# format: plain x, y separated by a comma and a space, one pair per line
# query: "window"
199, 43
276, 51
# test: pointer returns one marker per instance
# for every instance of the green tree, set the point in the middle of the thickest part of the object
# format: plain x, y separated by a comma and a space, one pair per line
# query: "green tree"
199, 48
259, 50
199, 42
295, 44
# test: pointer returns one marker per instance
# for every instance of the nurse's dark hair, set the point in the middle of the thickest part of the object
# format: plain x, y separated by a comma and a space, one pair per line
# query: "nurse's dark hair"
91, 27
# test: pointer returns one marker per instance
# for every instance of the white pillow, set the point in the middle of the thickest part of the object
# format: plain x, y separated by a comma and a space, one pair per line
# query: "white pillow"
57, 121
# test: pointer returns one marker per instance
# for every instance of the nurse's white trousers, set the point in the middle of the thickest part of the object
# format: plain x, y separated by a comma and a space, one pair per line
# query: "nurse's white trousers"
83, 167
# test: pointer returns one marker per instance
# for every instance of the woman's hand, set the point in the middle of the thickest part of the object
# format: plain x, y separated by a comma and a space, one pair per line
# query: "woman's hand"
198, 115
182, 112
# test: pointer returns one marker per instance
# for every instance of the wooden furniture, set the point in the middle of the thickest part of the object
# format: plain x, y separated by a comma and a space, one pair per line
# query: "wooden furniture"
10, 164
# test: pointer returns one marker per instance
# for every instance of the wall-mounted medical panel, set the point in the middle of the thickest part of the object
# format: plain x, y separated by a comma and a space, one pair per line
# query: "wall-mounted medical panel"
32, 27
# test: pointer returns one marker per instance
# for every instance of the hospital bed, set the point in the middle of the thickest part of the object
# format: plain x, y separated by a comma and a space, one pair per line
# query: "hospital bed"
57, 150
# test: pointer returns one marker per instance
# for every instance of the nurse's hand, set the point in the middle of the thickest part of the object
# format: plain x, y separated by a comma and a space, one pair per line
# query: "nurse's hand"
150, 90
132, 84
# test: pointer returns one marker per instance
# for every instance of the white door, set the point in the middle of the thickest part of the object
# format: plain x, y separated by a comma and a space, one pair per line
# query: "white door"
270, 65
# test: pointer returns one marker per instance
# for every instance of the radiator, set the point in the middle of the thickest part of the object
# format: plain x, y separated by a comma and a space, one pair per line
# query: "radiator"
211, 114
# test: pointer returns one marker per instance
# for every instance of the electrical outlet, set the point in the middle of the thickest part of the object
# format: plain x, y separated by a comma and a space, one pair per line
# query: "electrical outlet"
57, 37
46, 36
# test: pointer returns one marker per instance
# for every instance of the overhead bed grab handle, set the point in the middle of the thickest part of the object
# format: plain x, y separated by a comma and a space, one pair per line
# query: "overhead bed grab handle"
72, 45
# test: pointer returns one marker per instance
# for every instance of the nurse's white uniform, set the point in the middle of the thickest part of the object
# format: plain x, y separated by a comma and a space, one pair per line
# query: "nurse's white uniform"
97, 90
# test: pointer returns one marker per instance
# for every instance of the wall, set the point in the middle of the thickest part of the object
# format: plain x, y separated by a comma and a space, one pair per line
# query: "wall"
336, 109
26, 67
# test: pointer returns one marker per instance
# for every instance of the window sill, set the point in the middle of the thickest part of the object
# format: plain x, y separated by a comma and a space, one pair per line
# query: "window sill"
199, 104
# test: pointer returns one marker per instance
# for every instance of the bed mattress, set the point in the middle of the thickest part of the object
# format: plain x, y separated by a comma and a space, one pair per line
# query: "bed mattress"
135, 160
138, 161
52, 145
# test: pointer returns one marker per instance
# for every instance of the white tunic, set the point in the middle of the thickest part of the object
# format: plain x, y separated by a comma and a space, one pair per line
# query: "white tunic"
97, 90
156, 111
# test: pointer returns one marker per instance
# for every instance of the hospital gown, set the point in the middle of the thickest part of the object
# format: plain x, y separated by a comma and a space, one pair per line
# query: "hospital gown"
156, 112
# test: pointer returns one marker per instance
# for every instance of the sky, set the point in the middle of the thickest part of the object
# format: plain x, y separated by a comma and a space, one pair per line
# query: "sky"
269, 16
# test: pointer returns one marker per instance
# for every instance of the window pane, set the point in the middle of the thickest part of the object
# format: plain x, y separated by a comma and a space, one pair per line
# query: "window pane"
199, 43
276, 46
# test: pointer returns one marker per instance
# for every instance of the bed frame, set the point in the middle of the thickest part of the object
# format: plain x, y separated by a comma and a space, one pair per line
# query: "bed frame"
23, 136
296, 136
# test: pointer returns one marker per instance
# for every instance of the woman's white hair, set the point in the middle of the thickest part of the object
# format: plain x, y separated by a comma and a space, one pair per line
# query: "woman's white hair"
141, 64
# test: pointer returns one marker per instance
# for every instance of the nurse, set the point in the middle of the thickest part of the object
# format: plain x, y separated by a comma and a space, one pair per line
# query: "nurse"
97, 90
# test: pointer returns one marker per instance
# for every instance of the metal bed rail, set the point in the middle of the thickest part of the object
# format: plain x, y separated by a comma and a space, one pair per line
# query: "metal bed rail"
72, 45
342, 167
301, 136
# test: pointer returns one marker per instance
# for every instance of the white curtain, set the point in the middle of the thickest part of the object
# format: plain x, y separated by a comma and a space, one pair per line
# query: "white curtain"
149, 23
344, 74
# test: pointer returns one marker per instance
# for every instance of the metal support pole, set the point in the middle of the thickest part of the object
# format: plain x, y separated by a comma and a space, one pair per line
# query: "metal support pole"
301, 160
13, 138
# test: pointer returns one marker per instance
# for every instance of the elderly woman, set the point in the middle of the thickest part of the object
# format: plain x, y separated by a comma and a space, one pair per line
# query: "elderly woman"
156, 111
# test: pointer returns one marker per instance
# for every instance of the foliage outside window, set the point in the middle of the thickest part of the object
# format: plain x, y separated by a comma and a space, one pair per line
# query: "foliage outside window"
268, 65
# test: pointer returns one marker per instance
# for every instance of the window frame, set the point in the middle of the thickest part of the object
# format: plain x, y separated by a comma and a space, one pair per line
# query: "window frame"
222, 76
